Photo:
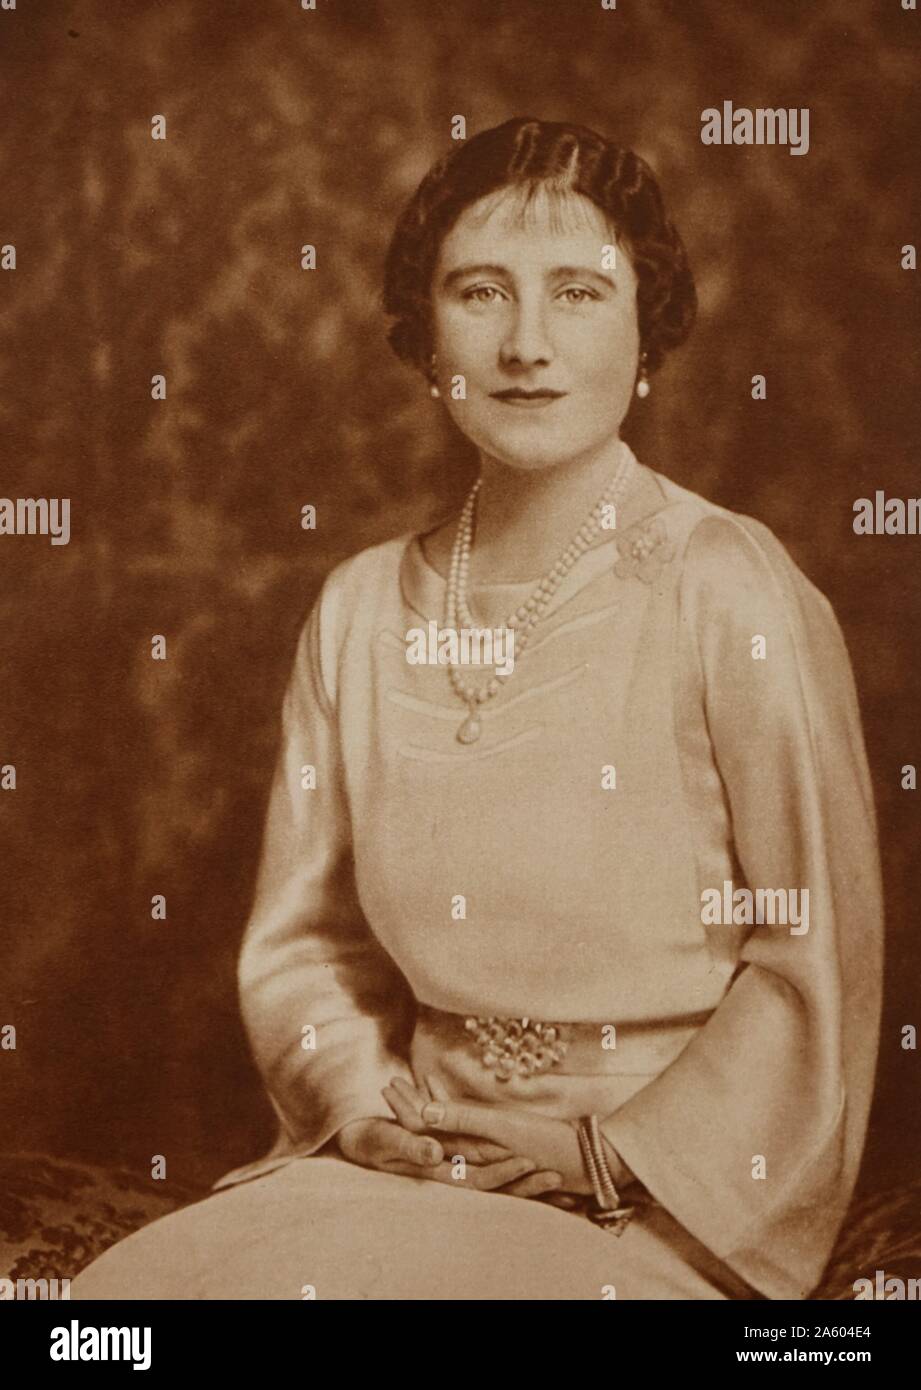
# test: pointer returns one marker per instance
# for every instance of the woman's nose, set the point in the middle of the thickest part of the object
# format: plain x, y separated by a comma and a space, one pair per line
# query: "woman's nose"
526, 342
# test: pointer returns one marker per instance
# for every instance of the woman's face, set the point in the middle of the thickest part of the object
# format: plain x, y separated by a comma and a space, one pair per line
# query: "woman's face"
523, 300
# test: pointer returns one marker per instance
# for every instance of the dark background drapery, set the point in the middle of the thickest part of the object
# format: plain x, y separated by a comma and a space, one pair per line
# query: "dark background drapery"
136, 257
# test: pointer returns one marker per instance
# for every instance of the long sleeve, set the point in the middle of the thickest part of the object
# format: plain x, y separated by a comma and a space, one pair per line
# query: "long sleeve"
752, 1137
309, 960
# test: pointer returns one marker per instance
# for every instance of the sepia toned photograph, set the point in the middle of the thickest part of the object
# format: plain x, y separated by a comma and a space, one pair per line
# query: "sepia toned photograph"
460, 610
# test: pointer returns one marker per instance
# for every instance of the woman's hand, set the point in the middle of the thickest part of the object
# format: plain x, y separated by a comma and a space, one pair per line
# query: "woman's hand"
552, 1145
389, 1147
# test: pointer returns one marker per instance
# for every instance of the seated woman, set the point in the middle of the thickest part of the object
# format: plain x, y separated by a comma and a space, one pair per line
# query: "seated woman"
601, 929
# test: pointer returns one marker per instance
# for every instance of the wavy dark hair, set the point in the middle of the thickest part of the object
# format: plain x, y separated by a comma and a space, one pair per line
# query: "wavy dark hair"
528, 153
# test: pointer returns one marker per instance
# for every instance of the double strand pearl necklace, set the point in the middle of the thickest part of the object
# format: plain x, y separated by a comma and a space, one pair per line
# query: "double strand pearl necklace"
525, 618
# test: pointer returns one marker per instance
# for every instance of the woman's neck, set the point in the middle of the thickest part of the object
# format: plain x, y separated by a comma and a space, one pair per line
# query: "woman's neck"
524, 519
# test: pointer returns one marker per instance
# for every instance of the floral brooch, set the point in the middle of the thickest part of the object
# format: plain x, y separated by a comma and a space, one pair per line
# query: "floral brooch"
644, 549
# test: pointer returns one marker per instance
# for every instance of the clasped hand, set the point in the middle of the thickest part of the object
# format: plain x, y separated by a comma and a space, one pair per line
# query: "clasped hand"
504, 1149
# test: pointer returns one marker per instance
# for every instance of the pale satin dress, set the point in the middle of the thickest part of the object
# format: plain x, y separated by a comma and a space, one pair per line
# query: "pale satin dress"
739, 1082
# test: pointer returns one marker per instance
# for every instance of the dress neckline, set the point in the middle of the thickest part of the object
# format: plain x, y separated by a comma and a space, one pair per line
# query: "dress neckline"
511, 584
423, 587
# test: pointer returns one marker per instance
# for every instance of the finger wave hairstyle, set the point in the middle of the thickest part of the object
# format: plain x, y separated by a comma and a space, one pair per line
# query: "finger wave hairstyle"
529, 153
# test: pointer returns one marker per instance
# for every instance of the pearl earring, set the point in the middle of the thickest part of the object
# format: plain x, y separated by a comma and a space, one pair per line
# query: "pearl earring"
642, 386
433, 389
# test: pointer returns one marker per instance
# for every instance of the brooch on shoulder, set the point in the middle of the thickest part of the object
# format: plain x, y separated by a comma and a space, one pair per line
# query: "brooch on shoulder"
644, 549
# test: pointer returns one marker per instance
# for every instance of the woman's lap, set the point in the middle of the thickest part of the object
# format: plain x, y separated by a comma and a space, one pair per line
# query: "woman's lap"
346, 1232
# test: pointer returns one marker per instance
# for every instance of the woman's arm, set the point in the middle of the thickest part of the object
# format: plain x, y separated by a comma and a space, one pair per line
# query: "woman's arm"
752, 1137
310, 962
327, 1012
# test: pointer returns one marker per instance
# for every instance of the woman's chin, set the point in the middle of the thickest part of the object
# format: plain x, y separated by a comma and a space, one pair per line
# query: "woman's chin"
529, 446
530, 456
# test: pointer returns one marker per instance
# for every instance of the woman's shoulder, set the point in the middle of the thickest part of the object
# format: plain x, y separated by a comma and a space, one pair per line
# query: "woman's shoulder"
730, 553
737, 577
713, 525
373, 567
357, 595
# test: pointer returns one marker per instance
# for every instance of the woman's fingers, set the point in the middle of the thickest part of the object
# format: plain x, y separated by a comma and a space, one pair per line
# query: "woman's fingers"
398, 1143
471, 1117
534, 1185
471, 1146
436, 1089
465, 1160
377, 1141
488, 1177
406, 1103
567, 1200
455, 1117
437, 1172
475, 1150
462, 1160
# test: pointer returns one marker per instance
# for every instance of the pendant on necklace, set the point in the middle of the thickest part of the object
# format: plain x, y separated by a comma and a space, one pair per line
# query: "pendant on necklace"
470, 730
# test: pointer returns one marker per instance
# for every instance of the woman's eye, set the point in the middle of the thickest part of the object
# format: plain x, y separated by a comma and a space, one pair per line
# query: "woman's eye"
481, 294
581, 295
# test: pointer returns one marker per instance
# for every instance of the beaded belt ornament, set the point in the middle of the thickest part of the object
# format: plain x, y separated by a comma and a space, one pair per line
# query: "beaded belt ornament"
517, 1046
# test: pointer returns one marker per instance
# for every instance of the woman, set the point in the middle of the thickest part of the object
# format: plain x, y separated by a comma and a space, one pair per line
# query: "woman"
601, 932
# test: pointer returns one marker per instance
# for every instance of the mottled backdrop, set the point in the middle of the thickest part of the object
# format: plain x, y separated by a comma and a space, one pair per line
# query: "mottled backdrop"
135, 257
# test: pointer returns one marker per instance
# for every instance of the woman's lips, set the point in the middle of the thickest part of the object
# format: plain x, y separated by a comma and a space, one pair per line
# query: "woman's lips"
528, 402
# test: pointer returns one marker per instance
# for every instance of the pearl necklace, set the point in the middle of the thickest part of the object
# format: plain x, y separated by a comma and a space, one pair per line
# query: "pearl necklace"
526, 617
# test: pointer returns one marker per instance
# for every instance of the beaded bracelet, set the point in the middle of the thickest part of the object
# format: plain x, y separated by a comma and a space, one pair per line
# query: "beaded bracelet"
608, 1211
